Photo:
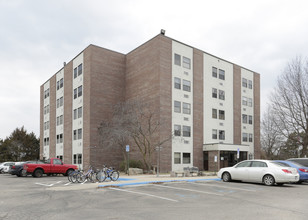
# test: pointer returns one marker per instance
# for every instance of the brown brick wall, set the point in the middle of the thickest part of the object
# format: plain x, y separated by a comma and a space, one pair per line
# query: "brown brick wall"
104, 86
148, 77
198, 109
237, 100
256, 98
67, 113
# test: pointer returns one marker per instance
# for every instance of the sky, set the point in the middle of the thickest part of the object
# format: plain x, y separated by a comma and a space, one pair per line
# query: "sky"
37, 36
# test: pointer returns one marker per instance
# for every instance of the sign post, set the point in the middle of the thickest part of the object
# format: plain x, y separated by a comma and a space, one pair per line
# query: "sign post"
238, 153
127, 151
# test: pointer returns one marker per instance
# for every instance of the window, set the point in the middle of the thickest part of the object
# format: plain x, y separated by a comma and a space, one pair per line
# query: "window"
250, 137
186, 62
214, 72
177, 158
186, 85
46, 93
75, 135
177, 59
57, 161
79, 134
75, 114
79, 158
221, 135
60, 157
186, 158
244, 119
222, 74
79, 91
75, 73
80, 112
177, 106
79, 69
258, 164
249, 84
177, 83
214, 133
221, 115
244, 82
60, 84
186, 131
244, 100
75, 93
75, 158
186, 108
214, 93
214, 113
59, 138
244, 137
59, 102
250, 102
177, 130
250, 119
221, 94
244, 164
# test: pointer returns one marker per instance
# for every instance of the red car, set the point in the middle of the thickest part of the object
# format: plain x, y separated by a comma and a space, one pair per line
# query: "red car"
52, 166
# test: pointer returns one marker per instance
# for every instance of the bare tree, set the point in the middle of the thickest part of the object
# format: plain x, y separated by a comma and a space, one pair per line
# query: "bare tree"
271, 138
290, 103
138, 122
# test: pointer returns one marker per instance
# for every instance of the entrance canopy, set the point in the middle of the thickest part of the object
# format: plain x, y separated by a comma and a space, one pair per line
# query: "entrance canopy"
225, 147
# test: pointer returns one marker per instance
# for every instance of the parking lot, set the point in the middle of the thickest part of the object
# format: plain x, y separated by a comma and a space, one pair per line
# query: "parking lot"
55, 198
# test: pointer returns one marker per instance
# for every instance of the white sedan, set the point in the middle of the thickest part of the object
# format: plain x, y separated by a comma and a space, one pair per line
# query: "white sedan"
260, 171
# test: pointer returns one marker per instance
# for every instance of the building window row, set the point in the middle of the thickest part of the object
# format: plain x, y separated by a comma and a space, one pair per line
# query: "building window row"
186, 107
220, 71
247, 101
247, 83
60, 84
46, 125
77, 92
60, 157
46, 93
247, 119
186, 61
60, 102
46, 141
59, 138
220, 112
78, 71
177, 158
178, 131
221, 134
77, 113
77, 158
221, 94
186, 84
247, 137
60, 120
46, 109
77, 134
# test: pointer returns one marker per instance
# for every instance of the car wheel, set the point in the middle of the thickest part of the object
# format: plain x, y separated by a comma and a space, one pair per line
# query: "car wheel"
23, 173
268, 180
38, 173
69, 172
226, 177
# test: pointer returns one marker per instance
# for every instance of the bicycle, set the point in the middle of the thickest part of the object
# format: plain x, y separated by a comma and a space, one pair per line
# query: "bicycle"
89, 175
72, 177
107, 173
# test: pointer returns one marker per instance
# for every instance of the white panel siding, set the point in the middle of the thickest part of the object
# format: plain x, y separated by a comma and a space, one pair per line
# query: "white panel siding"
182, 144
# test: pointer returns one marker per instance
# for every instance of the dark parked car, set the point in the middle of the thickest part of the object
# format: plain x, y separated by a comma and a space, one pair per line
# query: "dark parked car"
18, 170
302, 161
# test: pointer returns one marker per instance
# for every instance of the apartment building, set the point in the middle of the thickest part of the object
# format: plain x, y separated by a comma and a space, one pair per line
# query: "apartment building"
211, 105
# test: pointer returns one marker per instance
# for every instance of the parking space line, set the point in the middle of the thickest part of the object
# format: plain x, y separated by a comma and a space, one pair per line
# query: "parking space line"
42, 184
145, 194
191, 190
227, 187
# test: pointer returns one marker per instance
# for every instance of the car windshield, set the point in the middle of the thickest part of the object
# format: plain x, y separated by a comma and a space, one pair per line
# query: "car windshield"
281, 164
303, 162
